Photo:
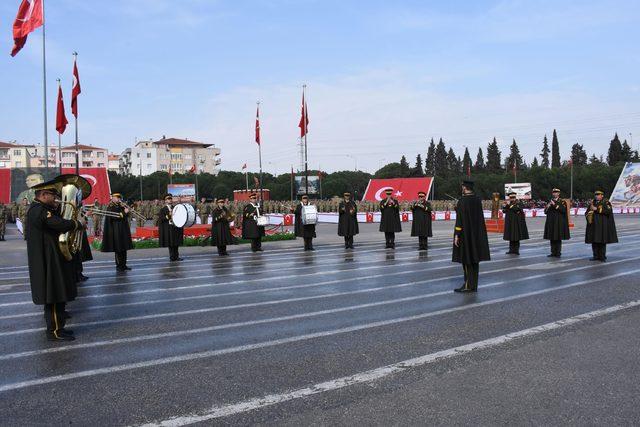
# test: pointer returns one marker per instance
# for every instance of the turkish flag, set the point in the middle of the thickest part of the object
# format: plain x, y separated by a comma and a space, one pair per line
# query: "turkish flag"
30, 16
244, 166
304, 119
75, 90
258, 125
404, 189
61, 118
193, 169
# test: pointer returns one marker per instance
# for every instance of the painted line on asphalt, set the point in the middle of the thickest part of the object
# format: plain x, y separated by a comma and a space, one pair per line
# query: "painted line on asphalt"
221, 411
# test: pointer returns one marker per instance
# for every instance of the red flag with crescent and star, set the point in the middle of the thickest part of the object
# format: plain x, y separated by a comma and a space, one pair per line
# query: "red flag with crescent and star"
304, 119
61, 118
75, 90
258, 125
30, 16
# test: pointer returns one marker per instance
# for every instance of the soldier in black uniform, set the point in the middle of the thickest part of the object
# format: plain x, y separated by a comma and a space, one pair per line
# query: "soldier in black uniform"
515, 225
421, 225
470, 242
171, 236
306, 231
556, 226
390, 219
220, 231
116, 234
250, 228
601, 227
347, 220
52, 277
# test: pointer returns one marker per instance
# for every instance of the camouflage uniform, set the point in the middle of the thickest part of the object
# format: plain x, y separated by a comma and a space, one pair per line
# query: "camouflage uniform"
155, 213
22, 215
203, 212
3, 221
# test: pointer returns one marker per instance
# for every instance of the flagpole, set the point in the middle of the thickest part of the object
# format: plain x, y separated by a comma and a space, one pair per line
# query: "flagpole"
59, 140
44, 86
571, 193
75, 60
304, 121
246, 179
260, 157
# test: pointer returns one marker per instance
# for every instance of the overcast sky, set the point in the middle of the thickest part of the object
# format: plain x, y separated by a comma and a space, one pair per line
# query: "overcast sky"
383, 76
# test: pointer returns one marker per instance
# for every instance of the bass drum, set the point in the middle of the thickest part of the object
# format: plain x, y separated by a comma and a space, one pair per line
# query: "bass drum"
183, 215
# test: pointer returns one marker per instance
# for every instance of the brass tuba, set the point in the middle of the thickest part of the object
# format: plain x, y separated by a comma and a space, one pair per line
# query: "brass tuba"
73, 189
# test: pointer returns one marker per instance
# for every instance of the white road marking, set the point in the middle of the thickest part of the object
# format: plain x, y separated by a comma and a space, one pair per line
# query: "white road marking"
282, 341
221, 411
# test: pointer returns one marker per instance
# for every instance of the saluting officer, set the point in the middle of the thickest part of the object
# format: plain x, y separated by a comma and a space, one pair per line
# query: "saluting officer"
470, 241
347, 220
116, 234
421, 225
52, 277
306, 231
515, 225
250, 228
390, 219
556, 226
601, 227
171, 236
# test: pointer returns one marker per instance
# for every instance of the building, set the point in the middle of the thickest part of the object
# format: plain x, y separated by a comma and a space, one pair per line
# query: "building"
14, 155
170, 154
113, 164
88, 155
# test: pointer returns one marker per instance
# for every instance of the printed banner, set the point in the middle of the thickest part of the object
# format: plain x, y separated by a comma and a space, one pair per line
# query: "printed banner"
404, 189
522, 190
314, 185
627, 190
182, 190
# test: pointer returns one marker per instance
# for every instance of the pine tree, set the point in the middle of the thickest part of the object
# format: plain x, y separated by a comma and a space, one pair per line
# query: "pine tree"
430, 163
614, 155
555, 151
479, 166
466, 162
535, 164
452, 162
544, 154
627, 153
578, 155
494, 157
441, 166
594, 160
404, 167
514, 158
418, 171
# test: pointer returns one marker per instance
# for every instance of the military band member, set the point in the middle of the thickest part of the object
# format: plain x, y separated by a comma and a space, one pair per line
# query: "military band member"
470, 241
250, 228
390, 219
171, 237
556, 226
220, 230
116, 236
22, 215
306, 231
515, 225
203, 210
3, 221
421, 225
601, 227
52, 277
347, 220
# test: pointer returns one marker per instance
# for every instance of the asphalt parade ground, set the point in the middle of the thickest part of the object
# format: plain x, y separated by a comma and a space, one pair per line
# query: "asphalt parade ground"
370, 336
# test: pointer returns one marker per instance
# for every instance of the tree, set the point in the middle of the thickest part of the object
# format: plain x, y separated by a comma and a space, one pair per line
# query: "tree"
430, 163
627, 153
452, 163
494, 157
594, 160
535, 164
417, 169
514, 158
466, 162
578, 155
614, 155
544, 154
392, 170
479, 166
404, 167
441, 166
555, 151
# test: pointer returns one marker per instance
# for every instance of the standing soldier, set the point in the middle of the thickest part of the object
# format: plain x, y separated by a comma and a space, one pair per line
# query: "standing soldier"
348, 220
470, 242
556, 226
171, 236
220, 231
22, 216
116, 236
601, 227
3, 221
14, 211
306, 231
203, 210
515, 225
390, 221
421, 226
250, 228
97, 224
51, 275
155, 212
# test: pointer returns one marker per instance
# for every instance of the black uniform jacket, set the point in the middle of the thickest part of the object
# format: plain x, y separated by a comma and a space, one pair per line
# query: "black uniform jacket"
250, 229
220, 231
603, 227
390, 221
52, 277
347, 219
306, 231
556, 226
170, 235
515, 225
473, 244
116, 234
421, 225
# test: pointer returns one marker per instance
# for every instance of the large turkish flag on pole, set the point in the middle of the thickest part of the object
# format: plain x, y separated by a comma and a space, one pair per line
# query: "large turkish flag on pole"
258, 125
61, 118
404, 189
30, 16
75, 90
304, 119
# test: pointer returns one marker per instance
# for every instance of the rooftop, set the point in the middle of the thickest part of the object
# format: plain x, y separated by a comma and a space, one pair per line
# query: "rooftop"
82, 147
181, 143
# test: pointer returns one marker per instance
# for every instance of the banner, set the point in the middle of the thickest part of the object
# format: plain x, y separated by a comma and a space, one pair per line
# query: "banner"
15, 184
404, 189
182, 190
522, 190
314, 185
627, 190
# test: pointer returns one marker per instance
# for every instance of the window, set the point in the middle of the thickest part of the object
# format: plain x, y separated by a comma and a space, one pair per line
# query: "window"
138, 155
18, 164
86, 153
68, 155
148, 166
17, 152
100, 154
100, 165
176, 156
187, 156
4, 153
148, 155
163, 167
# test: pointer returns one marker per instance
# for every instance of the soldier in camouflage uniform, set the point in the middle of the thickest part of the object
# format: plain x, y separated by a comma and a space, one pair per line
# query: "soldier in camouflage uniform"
14, 211
22, 215
155, 212
3, 221
97, 219
203, 210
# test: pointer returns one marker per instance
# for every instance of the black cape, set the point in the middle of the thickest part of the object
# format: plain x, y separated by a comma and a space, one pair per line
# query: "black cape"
116, 234
390, 218
250, 229
603, 227
86, 254
470, 228
556, 226
53, 278
348, 219
421, 225
220, 231
515, 225
305, 231
170, 235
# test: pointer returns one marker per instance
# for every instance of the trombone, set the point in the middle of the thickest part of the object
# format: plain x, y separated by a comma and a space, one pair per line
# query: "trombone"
93, 210
137, 214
